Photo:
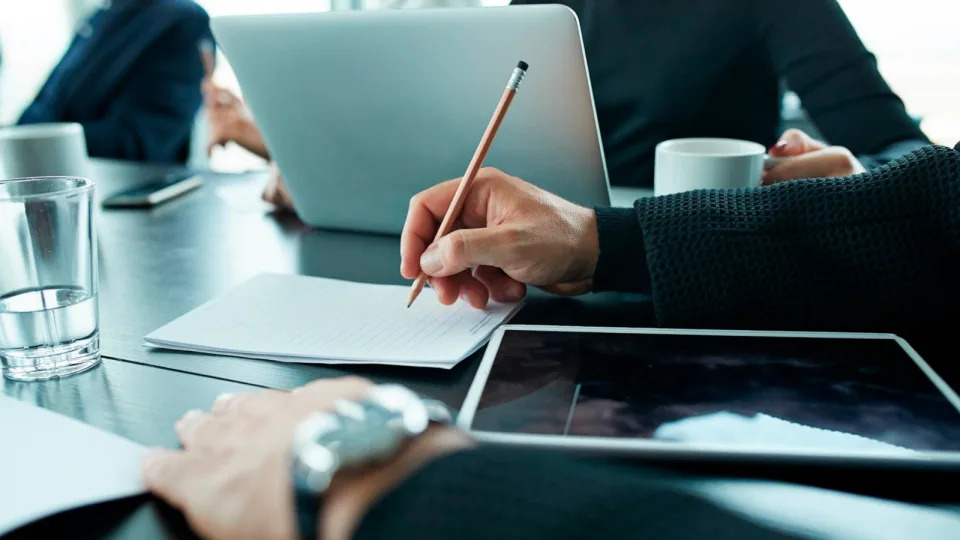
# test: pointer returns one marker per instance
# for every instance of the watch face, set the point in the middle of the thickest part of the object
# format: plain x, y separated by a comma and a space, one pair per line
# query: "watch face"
355, 433
313, 463
314, 467
409, 415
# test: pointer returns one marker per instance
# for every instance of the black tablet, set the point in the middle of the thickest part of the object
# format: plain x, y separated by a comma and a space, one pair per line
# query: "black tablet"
720, 394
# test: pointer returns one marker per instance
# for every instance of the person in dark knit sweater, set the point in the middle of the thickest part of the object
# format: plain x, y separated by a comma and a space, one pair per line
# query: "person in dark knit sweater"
702, 68
879, 250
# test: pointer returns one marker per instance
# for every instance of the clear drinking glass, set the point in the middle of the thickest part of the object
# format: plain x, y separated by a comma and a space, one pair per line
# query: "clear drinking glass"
48, 278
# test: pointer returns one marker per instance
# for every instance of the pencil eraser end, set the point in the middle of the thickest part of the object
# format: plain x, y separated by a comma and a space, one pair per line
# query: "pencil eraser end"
523, 65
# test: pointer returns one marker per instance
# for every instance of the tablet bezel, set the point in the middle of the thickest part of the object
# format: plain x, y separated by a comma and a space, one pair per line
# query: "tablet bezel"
667, 450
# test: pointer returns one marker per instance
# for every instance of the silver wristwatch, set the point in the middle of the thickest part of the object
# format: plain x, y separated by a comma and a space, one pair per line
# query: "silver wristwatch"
354, 433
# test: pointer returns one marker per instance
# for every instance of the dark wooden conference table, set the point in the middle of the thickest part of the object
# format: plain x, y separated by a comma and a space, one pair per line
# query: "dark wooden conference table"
159, 263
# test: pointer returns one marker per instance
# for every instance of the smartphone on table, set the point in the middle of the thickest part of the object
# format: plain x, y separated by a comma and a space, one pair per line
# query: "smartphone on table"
163, 189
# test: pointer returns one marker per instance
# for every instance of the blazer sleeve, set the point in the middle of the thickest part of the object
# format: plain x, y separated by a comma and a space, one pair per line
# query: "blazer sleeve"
152, 114
509, 493
879, 251
813, 46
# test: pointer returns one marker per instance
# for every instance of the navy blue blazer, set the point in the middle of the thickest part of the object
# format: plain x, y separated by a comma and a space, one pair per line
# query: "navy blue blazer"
132, 78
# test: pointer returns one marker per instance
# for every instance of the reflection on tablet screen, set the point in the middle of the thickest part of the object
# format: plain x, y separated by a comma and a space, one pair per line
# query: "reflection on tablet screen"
756, 392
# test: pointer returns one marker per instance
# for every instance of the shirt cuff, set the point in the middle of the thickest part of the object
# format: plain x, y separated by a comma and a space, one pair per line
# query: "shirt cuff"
890, 153
622, 265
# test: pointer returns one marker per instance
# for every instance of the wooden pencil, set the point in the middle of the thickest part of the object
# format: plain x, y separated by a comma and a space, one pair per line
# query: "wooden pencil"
456, 205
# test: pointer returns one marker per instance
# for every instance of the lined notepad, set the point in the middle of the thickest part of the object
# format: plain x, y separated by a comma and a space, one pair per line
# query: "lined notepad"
317, 320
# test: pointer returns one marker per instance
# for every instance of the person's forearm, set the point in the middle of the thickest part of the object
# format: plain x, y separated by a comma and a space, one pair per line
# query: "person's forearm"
508, 493
891, 152
815, 49
878, 251
248, 136
622, 265
353, 493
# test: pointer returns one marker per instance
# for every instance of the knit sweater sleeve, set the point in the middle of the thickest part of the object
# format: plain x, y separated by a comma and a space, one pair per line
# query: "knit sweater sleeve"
509, 493
876, 251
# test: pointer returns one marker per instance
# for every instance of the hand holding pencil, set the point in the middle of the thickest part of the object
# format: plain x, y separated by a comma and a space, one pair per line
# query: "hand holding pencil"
453, 212
489, 235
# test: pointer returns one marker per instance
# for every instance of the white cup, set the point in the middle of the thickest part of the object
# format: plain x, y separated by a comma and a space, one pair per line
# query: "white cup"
687, 164
57, 149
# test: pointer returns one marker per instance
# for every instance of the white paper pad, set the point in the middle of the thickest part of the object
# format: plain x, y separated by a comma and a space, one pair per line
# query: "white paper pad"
318, 320
53, 463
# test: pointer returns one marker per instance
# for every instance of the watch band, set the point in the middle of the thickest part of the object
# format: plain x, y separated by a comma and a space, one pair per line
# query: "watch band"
355, 432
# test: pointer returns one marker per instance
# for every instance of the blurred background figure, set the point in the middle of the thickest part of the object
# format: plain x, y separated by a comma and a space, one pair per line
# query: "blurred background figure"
131, 76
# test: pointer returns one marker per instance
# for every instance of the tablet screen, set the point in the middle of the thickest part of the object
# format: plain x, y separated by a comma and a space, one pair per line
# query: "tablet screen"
756, 392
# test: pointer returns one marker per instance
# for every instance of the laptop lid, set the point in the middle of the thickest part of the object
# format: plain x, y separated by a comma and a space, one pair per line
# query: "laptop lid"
364, 109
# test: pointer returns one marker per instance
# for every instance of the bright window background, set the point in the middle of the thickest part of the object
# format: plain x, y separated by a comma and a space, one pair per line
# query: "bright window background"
917, 44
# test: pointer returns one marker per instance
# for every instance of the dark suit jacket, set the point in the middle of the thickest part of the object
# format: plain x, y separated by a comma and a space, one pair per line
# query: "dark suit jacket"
132, 78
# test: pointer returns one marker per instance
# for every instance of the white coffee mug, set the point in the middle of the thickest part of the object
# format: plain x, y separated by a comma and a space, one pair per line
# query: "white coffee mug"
57, 149
688, 164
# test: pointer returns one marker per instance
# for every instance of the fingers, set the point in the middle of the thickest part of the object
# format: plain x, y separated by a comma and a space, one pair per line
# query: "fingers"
269, 193
218, 135
205, 432
794, 142
575, 288
187, 426
252, 403
502, 288
460, 286
426, 210
215, 434
173, 475
276, 193
324, 393
472, 291
478, 289
216, 97
828, 162
283, 194
338, 387
466, 248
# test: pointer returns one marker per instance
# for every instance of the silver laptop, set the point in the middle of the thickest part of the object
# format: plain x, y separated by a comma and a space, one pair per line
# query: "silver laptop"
362, 110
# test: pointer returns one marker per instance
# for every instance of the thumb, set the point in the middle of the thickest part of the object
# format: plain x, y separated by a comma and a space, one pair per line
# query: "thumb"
794, 142
463, 249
